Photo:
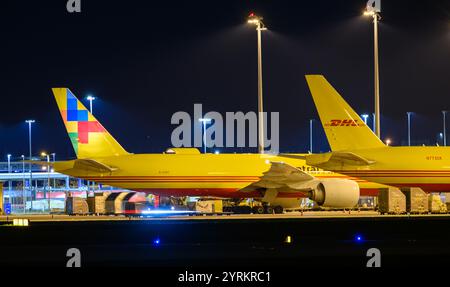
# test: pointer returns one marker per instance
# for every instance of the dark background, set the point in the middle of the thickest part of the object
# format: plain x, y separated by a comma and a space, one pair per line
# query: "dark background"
145, 60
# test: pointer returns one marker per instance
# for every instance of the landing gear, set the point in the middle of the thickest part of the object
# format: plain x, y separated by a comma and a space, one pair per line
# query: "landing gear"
258, 209
278, 209
269, 209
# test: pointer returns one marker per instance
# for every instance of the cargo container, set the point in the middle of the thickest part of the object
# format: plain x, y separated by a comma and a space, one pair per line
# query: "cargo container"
416, 200
209, 206
76, 205
109, 203
435, 204
97, 203
135, 208
125, 200
115, 202
391, 201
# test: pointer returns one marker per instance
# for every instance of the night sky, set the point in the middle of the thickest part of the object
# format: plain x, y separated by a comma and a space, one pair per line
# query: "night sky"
145, 60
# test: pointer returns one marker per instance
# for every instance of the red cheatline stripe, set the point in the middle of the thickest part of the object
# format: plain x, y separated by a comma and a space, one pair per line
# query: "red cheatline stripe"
187, 178
177, 180
175, 177
397, 173
406, 176
415, 184
182, 176
199, 177
173, 180
400, 171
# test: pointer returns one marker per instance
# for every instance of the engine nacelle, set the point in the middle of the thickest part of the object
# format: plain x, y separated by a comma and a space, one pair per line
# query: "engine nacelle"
338, 193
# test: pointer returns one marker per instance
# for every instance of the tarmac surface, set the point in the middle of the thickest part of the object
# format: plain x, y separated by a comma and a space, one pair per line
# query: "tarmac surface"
176, 217
311, 239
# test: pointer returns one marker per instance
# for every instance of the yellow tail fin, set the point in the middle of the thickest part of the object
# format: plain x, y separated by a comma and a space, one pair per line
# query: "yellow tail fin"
89, 138
343, 127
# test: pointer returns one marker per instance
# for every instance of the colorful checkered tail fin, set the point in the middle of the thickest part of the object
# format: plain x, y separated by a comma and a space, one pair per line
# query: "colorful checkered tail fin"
343, 127
89, 138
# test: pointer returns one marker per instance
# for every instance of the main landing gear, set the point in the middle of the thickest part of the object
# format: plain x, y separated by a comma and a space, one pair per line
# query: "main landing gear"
268, 209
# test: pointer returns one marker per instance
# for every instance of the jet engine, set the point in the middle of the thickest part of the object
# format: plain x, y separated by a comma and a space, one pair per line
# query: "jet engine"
338, 193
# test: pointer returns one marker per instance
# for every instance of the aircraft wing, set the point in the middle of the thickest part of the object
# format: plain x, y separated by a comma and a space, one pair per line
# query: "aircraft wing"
284, 176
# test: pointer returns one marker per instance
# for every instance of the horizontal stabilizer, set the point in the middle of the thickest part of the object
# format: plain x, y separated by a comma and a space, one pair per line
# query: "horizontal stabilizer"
92, 166
337, 158
86, 166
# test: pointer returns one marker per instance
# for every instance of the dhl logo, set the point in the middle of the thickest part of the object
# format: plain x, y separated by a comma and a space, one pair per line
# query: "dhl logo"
344, 123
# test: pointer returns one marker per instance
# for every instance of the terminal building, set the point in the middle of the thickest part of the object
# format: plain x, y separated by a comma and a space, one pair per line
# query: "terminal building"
33, 188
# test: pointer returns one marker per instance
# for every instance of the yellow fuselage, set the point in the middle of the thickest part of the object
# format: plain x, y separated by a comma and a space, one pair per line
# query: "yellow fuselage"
424, 167
223, 175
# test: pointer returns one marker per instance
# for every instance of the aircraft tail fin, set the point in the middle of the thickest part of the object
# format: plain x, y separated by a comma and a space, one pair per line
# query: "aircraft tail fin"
89, 138
343, 127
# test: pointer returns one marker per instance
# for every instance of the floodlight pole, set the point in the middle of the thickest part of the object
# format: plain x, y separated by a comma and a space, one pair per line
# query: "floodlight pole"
30, 122
377, 75
374, 12
256, 20
260, 94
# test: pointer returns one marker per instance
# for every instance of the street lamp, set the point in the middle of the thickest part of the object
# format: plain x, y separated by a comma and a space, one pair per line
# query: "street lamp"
47, 156
90, 99
9, 171
388, 141
374, 12
30, 122
257, 21
23, 184
53, 159
365, 116
204, 121
409, 128
444, 114
9, 162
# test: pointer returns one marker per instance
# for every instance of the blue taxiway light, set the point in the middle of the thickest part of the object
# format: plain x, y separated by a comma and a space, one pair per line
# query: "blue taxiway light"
358, 238
168, 212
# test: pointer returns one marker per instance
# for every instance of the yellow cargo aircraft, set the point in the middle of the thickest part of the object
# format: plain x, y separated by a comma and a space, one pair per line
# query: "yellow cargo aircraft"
279, 181
358, 152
